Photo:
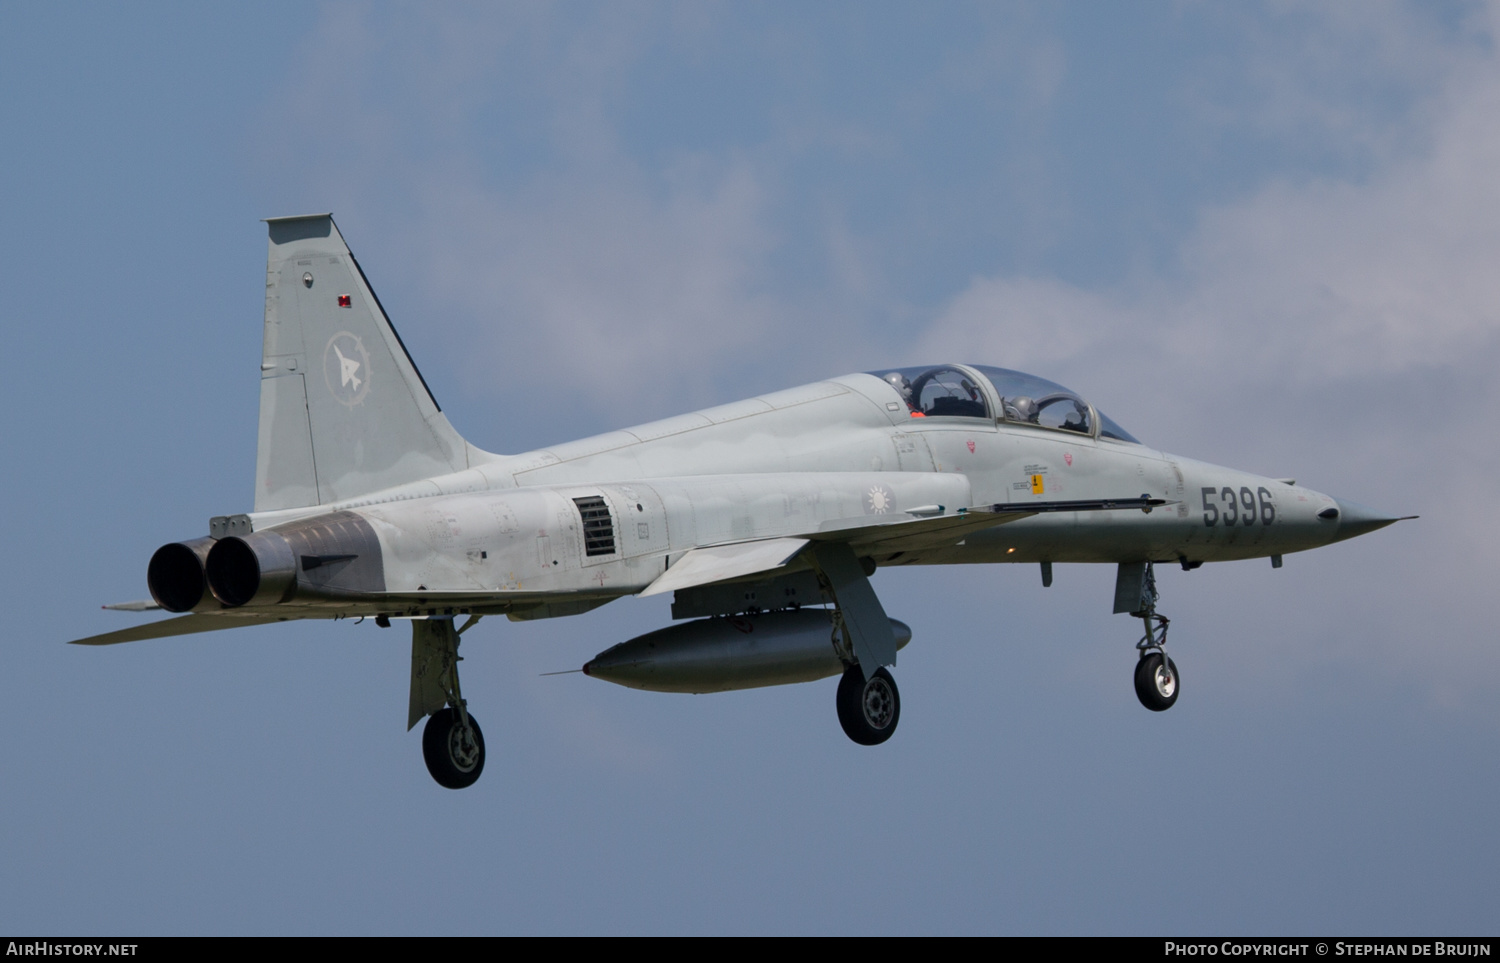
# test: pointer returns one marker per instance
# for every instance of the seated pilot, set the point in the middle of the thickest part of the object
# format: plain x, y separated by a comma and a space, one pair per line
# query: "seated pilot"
1022, 408
903, 388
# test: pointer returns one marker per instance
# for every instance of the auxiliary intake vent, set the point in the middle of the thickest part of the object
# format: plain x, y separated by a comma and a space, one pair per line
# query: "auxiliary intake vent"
598, 527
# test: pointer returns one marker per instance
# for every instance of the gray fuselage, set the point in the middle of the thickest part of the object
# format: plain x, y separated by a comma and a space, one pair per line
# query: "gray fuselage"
508, 535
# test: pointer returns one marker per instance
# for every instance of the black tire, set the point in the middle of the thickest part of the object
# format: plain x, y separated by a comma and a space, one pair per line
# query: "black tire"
868, 711
444, 750
1157, 689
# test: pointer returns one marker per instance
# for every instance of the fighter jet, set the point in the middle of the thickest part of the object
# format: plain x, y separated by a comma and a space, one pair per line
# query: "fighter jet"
764, 518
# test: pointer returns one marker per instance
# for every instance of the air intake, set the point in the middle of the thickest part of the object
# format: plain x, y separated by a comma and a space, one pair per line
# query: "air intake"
598, 527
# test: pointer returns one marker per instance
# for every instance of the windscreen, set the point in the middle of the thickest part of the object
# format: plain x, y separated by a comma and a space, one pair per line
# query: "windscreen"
1027, 399
937, 392
949, 391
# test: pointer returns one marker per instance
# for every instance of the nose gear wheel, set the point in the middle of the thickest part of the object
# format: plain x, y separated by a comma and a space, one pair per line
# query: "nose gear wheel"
1156, 682
1156, 679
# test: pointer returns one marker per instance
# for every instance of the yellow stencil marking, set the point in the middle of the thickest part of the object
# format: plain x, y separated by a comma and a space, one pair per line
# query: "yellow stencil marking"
1036, 484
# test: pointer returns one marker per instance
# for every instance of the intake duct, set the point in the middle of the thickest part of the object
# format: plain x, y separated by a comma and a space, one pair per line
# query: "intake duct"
258, 569
175, 574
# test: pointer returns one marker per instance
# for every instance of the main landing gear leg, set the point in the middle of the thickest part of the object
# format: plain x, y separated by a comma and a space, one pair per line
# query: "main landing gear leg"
869, 709
868, 703
452, 743
1156, 678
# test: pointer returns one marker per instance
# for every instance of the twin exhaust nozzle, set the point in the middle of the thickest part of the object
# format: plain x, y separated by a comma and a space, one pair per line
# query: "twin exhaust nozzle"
230, 572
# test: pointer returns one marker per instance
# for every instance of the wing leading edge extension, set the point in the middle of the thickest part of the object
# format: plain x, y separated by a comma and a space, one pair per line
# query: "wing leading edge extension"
736, 560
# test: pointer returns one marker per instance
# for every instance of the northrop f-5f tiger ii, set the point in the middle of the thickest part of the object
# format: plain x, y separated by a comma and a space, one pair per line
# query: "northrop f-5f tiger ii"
764, 518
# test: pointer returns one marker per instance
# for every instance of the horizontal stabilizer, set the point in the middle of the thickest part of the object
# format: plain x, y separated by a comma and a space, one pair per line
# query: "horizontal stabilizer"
183, 625
718, 563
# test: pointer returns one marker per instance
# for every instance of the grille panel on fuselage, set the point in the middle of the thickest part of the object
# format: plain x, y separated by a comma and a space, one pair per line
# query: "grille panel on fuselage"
598, 526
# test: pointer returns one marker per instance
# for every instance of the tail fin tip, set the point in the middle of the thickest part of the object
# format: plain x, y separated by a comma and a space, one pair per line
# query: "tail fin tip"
297, 227
343, 409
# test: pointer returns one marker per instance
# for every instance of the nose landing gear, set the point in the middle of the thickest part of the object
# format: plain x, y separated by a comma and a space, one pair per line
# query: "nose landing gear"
1156, 678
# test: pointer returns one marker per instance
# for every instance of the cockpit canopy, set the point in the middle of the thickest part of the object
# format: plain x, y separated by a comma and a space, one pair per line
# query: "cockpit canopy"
956, 391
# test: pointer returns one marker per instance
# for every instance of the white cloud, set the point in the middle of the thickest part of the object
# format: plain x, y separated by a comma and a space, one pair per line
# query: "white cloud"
1348, 326
1319, 280
614, 285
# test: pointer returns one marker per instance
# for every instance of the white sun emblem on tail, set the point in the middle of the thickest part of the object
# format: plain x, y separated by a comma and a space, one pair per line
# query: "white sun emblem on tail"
878, 500
346, 368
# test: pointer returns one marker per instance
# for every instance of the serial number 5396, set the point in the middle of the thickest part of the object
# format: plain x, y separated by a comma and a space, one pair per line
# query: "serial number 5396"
1237, 508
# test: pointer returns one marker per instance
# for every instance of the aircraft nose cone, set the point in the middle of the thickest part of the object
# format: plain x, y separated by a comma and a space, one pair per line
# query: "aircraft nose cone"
1356, 519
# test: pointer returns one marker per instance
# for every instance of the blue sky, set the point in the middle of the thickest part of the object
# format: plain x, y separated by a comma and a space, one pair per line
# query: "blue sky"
1259, 235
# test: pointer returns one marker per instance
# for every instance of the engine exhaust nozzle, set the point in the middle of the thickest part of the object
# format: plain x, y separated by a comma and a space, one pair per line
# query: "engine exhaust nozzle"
258, 569
175, 574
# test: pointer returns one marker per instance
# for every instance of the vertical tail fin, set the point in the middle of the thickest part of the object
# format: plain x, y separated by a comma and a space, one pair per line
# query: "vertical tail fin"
343, 410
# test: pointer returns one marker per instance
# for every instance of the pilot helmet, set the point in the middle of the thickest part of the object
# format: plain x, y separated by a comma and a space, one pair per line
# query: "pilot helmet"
1022, 408
898, 381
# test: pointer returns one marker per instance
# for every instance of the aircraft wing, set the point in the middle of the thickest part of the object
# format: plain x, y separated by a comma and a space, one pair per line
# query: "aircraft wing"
720, 563
182, 625
733, 560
